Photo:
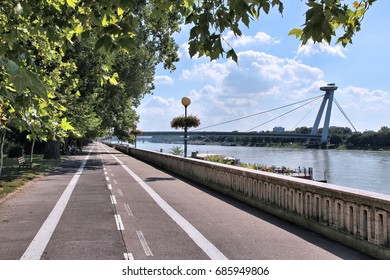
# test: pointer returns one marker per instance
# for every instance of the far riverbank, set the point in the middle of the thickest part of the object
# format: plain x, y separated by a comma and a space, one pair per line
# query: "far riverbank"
366, 170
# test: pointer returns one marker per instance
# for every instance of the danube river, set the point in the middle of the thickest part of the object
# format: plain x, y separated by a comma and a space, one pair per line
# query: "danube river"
364, 170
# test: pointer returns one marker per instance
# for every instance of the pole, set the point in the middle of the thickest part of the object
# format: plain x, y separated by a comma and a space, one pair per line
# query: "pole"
185, 132
185, 101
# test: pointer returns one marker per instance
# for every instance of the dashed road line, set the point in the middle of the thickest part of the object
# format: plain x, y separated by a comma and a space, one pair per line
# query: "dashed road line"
192, 232
115, 182
128, 256
113, 199
120, 192
109, 186
128, 210
119, 223
144, 244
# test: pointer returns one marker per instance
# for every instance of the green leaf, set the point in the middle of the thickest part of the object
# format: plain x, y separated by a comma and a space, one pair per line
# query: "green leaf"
296, 32
71, 3
231, 53
65, 125
11, 67
113, 79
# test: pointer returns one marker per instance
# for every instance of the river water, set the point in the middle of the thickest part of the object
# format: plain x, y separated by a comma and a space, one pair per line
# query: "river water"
365, 170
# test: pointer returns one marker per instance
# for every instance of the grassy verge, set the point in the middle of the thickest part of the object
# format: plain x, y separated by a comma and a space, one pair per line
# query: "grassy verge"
12, 179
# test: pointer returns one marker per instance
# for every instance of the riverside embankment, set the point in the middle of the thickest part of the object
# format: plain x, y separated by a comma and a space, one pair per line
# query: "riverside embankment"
355, 218
364, 170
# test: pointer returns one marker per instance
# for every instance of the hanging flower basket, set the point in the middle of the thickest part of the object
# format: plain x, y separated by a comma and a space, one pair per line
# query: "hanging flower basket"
182, 122
136, 132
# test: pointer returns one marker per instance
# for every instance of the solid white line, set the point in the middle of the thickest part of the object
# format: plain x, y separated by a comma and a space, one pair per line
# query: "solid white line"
144, 244
41, 239
195, 235
128, 210
109, 186
119, 223
128, 256
113, 199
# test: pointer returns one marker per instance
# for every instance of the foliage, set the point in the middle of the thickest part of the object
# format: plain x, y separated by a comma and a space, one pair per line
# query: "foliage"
182, 122
324, 18
176, 150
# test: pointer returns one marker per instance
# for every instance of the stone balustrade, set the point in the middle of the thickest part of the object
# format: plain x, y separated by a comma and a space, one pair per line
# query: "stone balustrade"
358, 219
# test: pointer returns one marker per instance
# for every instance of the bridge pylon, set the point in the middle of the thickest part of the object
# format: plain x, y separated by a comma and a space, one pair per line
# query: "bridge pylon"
326, 101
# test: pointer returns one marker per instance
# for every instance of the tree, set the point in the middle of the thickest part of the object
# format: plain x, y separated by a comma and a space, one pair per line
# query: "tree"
36, 36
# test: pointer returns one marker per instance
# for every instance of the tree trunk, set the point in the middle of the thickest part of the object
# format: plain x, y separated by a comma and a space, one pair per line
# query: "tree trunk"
52, 150
32, 151
2, 140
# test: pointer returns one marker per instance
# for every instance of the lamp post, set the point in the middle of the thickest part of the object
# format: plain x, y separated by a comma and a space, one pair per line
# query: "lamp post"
186, 102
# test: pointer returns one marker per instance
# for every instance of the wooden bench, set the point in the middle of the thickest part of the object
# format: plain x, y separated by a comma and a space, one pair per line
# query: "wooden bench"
22, 163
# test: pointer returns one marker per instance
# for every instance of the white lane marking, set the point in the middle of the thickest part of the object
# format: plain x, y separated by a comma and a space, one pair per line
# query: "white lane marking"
105, 173
120, 192
104, 169
144, 244
109, 186
115, 182
195, 235
112, 175
128, 256
107, 179
113, 199
119, 223
41, 239
128, 210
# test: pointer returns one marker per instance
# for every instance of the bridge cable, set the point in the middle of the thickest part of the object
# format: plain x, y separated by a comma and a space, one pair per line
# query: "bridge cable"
256, 114
345, 115
295, 126
284, 113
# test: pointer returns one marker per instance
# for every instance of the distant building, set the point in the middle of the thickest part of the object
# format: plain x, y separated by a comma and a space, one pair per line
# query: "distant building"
278, 129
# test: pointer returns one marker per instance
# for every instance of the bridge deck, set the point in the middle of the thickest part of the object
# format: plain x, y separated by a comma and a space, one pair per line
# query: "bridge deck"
233, 133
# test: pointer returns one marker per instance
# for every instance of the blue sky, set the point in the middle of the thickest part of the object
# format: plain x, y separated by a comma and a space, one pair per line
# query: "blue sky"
274, 70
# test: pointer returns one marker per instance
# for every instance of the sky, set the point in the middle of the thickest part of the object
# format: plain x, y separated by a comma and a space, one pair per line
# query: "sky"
274, 71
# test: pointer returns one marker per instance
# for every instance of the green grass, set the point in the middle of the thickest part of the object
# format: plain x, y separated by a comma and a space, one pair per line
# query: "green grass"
11, 179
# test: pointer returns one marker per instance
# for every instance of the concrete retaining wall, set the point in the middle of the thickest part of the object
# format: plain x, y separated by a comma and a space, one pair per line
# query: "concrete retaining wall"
358, 219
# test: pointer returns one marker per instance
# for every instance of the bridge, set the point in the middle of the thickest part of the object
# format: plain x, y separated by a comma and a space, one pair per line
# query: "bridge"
313, 139
233, 133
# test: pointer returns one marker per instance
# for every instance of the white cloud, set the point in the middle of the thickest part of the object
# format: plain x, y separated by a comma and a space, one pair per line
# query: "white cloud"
225, 90
206, 71
321, 48
260, 38
163, 80
365, 99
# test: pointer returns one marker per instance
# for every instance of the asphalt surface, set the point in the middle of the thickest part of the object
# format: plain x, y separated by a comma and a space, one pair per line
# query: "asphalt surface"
107, 205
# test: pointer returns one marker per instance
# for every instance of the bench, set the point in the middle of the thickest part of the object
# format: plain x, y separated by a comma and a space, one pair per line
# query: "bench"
22, 163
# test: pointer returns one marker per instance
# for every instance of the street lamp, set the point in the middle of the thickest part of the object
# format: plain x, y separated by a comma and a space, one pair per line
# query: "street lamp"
186, 102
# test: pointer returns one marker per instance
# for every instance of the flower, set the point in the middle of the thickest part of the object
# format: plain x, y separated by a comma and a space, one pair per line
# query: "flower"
182, 122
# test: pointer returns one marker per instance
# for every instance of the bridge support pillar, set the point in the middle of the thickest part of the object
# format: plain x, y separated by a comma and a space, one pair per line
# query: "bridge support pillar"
327, 100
